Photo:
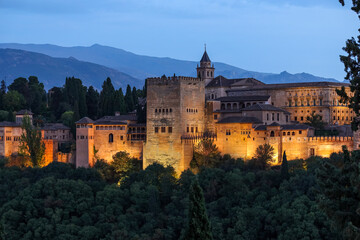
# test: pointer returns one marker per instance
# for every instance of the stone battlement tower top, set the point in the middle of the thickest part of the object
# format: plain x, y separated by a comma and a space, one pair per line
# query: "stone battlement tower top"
172, 80
206, 70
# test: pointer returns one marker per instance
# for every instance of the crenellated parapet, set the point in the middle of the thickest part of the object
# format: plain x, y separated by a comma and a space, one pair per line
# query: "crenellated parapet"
172, 80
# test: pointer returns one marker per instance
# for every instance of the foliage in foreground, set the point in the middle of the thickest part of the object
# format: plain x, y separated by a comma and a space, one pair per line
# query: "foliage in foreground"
31, 144
60, 202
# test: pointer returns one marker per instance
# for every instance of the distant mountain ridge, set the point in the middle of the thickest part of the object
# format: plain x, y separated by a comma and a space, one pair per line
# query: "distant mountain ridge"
141, 67
52, 71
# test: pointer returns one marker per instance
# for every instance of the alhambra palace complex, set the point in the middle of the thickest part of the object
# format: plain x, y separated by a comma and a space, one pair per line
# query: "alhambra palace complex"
238, 114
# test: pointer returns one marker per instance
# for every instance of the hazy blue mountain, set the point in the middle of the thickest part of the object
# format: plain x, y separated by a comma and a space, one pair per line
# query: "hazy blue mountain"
141, 67
53, 71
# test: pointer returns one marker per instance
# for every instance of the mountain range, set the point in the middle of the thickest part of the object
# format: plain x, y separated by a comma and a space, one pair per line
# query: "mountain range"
93, 64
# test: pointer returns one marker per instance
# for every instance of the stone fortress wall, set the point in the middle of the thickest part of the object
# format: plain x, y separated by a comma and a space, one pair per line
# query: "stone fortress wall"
175, 107
178, 118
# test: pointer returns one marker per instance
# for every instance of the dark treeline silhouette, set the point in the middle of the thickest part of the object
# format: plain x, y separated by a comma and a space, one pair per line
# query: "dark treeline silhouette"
68, 103
232, 200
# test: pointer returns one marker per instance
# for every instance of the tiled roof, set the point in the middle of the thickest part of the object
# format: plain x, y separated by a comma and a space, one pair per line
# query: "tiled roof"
290, 85
295, 127
246, 82
264, 107
109, 120
9, 124
221, 81
239, 120
85, 120
244, 98
205, 57
24, 112
55, 126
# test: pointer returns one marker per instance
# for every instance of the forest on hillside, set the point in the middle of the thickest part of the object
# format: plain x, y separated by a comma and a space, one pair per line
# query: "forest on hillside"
317, 198
68, 103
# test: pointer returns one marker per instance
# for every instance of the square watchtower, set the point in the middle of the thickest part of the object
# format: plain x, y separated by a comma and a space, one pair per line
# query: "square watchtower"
175, 108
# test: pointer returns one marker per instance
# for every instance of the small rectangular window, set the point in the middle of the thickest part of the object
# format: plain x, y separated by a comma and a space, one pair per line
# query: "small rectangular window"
196, 129
170, 129
121, 137
187, 129
312, 152
162, 129
156, 129
215, 116
300, 132
228, 132
192, 129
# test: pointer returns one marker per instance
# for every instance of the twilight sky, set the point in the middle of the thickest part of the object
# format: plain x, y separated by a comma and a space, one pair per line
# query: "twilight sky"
259, 35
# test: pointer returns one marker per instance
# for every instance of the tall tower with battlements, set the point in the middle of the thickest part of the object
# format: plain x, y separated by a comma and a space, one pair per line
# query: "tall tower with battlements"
206, 70
175, 115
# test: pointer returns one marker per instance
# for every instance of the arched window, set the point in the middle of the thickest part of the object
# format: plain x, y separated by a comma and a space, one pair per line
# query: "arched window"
272, 134
234, 106
211, 74
228, 106
111, 138
222, 106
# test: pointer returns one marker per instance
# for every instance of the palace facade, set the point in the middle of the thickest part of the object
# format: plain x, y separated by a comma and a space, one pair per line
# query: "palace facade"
238, 114
54, 136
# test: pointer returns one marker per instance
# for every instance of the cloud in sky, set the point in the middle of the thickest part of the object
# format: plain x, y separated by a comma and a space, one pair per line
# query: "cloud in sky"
261, 35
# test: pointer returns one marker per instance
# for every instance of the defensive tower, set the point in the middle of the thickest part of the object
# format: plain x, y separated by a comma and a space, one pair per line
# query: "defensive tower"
175, 108
206, 70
